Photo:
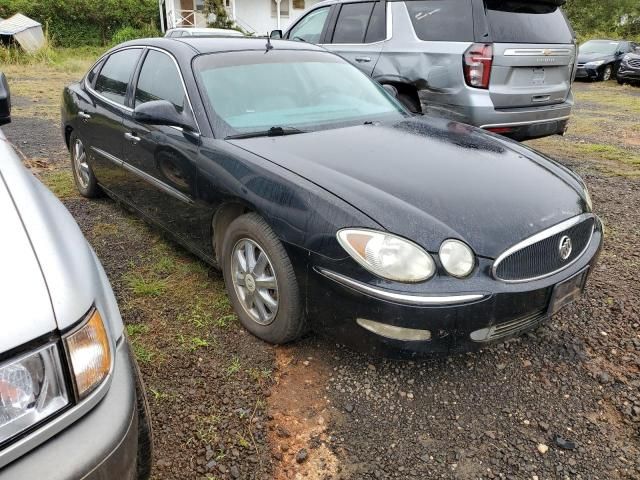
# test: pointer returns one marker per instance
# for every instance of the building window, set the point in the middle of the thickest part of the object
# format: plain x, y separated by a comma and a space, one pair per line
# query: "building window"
199, 5
284, 8
298, 4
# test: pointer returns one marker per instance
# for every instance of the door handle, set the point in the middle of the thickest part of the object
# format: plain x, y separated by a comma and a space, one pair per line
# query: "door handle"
84, 115
131, 137
363, 59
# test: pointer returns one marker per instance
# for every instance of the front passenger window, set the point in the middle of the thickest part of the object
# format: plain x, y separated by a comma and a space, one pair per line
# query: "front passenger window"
310, 28
114, 77
159, 80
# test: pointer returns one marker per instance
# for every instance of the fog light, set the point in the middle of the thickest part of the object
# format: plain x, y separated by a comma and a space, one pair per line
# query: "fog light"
393, 332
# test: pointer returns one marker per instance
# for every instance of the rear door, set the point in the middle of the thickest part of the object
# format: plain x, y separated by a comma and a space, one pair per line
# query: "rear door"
534, 53
358, 33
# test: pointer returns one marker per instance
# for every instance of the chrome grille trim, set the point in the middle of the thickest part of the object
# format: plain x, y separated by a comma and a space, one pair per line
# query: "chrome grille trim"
538, 237
506, 329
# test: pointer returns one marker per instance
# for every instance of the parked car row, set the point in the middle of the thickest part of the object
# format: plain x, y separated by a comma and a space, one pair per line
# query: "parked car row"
606, 59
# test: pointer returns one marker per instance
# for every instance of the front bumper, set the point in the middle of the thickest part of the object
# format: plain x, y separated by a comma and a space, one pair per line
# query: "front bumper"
587, 73
628, 74
492, 311
103, 444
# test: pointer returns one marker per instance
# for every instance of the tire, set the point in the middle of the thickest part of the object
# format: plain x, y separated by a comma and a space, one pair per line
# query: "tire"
249, 237
145, 432
620, 81
409, 103
606, 73
83, 176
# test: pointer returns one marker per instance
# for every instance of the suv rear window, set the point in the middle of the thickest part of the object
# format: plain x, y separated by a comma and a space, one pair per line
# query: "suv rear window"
519, 21
442, 20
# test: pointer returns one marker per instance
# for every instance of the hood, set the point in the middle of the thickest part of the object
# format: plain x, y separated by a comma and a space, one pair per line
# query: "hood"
431, 179
25, 309
593, 57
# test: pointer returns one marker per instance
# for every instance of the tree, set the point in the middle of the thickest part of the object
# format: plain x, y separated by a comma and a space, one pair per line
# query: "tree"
218, 10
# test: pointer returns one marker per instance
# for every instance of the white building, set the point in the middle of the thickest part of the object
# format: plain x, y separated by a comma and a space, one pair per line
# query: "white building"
254, 16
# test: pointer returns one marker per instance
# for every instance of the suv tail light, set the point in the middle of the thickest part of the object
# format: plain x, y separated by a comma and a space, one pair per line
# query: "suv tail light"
477, 65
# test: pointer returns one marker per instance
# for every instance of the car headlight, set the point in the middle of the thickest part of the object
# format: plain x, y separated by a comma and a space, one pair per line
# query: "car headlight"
587, 199
457, 258
89, 354
387, 255
597, 63
626, 58
32, 388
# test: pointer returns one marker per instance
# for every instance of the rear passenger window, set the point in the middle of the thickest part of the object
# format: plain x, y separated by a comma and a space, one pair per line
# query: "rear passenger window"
351, 26
113, 80
520, 21
377, 30
159, 80
442, 20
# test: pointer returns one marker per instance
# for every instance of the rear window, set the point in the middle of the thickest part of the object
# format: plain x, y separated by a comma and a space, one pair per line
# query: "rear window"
518, 21
442, 20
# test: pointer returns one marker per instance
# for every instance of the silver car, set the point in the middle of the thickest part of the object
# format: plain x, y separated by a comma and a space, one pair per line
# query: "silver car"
506, 66
72, 404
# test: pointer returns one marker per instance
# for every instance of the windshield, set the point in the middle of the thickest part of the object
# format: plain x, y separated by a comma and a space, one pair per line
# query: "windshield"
252, 91
606, 48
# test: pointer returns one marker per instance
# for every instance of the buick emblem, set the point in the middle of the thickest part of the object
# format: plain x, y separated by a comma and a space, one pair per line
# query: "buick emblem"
565, 247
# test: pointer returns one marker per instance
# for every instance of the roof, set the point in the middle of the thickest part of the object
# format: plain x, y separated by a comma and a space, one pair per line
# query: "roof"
16, 24
200, 45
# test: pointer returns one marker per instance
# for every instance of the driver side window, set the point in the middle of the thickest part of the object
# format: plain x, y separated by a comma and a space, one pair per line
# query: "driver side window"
310, 28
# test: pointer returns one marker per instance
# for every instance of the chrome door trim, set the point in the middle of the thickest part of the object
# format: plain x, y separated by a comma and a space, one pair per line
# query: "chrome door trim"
146, 177
544, 234
396, 297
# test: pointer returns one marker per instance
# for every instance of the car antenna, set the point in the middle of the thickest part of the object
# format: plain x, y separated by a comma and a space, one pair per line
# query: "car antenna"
268, 45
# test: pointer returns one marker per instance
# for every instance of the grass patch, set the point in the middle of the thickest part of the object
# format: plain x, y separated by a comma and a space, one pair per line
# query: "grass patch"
192, 343
164, 265
142, 286
60, 182
135, 332
104, 229
234, 367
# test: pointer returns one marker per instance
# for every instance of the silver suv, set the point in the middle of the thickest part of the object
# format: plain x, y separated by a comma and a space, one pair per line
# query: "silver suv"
503, 65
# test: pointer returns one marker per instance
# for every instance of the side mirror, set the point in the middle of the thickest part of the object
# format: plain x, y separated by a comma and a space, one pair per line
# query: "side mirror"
5, 101
162, 112
391, 90
277, 34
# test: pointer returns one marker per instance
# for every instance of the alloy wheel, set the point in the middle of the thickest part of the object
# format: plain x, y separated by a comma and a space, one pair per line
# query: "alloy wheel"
254, 281
607, 74
80, 163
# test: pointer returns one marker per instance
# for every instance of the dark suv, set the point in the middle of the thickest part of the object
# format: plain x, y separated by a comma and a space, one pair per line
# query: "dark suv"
506, 66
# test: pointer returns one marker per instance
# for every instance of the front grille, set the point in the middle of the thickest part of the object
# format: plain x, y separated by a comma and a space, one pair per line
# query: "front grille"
634, 63
540, 255
510, 328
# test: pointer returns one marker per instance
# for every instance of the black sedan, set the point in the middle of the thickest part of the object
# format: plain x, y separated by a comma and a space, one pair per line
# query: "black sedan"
600, 59
325, 203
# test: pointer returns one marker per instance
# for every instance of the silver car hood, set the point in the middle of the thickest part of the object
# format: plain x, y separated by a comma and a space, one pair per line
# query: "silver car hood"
49, 276
25, 308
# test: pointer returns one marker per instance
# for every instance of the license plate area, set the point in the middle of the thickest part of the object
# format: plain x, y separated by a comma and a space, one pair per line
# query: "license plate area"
568, 291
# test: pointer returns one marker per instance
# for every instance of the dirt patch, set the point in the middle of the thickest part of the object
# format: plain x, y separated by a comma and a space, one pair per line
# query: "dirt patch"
299, 410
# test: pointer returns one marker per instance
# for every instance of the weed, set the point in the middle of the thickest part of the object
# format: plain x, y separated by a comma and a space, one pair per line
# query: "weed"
164, 265
104, 229
192, 343
145, 286
225, 321
158, 395
243, 442
199, 316
60, 182
134, 330
234, 367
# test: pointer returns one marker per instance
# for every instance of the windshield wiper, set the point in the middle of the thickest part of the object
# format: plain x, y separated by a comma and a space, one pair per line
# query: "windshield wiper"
272, 132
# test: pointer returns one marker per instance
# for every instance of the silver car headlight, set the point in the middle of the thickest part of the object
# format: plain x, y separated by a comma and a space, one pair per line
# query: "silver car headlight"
597, 63
457, 258
32, 388
387, 255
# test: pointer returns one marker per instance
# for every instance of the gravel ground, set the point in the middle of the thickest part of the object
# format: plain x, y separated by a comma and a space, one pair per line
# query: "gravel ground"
561, 402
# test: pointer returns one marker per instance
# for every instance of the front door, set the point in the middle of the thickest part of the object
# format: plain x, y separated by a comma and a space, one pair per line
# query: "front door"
161, 160
101, 125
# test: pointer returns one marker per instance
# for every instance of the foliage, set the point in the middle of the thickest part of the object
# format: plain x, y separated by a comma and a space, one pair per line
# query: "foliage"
604, 19
221, 20
129, 33
85, 22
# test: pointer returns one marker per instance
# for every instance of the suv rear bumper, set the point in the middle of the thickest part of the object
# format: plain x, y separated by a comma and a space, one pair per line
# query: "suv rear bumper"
102, 444
523, 123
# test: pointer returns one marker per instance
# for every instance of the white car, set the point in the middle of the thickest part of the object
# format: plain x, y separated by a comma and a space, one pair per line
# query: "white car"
202, 32
72, 403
